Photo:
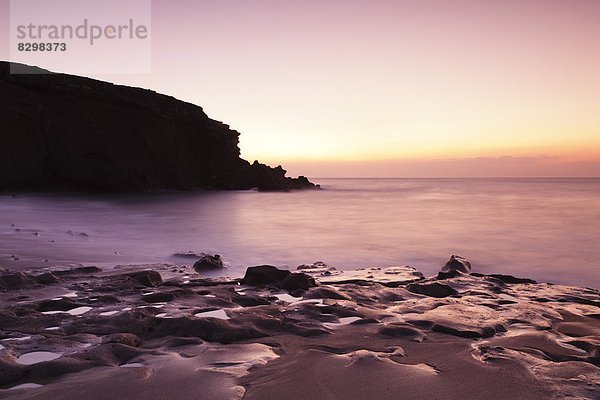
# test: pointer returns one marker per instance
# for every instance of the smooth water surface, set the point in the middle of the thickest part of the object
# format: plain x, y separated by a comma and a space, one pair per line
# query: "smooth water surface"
547, 229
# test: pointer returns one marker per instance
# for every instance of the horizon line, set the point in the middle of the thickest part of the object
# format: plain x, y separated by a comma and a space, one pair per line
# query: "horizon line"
462, 177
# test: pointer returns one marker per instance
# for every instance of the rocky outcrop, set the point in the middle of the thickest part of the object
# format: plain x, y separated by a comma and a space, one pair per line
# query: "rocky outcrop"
104, 332
454, 268
457, 263
208, 262
67, 132
264, 275
284, 279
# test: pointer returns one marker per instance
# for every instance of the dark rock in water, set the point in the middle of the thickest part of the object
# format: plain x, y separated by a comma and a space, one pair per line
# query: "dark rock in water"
315, 265
269, 275
146, 278
68, 132
208, 262
264, 275
190, 254
432, 289
457, 263
16, 280
297, 281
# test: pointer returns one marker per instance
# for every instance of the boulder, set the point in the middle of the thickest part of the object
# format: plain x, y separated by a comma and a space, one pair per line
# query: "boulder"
264, 275
208, 262
297, 281
284, 279
315, 265
457, 263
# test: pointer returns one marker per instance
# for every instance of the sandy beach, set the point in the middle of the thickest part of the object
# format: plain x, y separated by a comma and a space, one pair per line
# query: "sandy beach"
164, 331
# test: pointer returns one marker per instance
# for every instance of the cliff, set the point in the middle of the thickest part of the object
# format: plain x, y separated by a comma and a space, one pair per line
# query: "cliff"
60, 131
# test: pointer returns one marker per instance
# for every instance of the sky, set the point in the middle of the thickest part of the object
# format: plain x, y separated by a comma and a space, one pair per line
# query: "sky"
388, 88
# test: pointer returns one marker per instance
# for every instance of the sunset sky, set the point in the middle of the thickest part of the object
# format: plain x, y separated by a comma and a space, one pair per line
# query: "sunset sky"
388, 87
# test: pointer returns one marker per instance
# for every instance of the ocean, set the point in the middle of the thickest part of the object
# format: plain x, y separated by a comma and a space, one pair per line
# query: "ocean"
545, 229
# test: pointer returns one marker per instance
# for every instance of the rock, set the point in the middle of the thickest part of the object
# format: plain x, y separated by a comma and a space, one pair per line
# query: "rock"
128, 339
190, 254
389, 276
457, 263
305, 329
432, 289
448, 275
208, 262
250, 300
209, 329
46, 278
88, 270
135, 139
473, 333
297, 281
325, 292
10, 372
264, 275
315, 265
508, 278
77, 271
16, 280
284, 279
159, 297
403, 331
146, 278
62, 304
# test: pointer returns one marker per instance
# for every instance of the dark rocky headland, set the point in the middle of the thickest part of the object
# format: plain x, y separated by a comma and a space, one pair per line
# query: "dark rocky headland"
67, 132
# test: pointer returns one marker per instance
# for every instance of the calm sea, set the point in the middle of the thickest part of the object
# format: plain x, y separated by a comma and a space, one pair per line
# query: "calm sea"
546, 229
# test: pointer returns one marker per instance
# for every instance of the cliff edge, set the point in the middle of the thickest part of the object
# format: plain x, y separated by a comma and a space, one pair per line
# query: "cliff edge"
60, 131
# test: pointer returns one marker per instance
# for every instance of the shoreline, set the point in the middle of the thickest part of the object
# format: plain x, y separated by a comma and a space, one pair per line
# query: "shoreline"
386, 333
